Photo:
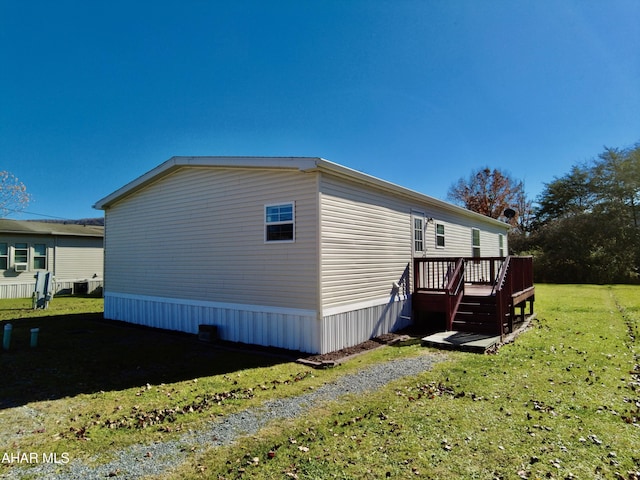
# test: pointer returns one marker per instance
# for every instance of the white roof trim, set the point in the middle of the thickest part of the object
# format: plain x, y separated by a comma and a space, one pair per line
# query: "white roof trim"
304, 164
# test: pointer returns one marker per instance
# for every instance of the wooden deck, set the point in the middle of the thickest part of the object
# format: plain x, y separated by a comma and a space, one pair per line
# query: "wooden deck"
485, 297
476, 290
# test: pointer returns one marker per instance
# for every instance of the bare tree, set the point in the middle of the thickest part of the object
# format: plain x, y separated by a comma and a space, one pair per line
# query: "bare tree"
13, 194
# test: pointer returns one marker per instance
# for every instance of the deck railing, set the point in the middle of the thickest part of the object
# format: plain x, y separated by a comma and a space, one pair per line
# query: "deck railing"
516, 277
510, 278
482, 270
443, 276
434, 273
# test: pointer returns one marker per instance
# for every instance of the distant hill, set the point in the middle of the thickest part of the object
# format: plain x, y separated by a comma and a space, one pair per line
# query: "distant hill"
99, 221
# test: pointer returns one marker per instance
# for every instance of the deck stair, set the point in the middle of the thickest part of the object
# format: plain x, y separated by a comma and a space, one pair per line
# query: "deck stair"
477, 314
473, 295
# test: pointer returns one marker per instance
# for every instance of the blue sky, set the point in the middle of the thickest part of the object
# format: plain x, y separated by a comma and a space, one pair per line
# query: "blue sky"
419, 93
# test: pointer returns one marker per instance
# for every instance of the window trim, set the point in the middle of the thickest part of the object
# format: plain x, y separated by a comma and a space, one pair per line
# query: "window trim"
36, 256
440, 235
475, 247
418, 215
292, 222
5, 256
501, 238
18, 246
14, 250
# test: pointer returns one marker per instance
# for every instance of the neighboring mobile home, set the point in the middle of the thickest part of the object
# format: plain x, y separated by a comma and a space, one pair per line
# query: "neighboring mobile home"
73, 253
298, 253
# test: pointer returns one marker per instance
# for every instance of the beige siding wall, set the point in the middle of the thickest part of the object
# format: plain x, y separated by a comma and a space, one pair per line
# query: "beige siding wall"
79, 258
367, 241
199, 234
458, 235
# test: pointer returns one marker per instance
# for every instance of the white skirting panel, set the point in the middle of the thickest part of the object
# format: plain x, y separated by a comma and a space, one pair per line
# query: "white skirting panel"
351, 327
25, 289
17, 290
289, 328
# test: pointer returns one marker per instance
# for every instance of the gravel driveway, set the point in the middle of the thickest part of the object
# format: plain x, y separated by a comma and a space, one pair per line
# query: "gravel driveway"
154, 459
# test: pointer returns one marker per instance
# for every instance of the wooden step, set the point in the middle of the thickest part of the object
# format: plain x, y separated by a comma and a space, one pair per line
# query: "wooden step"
475, 327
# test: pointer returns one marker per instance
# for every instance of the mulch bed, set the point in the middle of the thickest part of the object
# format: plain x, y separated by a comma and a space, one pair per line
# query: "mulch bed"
333, 358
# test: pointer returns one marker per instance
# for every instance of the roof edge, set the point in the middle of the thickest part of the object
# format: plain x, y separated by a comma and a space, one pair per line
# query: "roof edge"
174, 163
367, 179
305, 164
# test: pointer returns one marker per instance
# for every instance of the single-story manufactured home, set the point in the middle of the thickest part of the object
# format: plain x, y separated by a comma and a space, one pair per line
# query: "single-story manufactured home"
73, 253
297, 253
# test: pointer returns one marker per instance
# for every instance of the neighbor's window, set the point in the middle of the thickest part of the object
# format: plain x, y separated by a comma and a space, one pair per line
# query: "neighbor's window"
475, 234
439, 235
40, 256
501, 244
279, 223
4, 256
20, 253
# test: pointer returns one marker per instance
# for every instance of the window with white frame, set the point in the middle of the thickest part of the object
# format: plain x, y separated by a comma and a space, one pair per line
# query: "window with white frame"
418, 232
501, 244
279, 222
4, 256
21, 253
439, 235
475, 242
39, 256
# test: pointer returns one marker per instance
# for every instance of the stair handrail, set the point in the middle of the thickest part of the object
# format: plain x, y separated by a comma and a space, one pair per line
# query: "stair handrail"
455, 291
456, 278
502, 277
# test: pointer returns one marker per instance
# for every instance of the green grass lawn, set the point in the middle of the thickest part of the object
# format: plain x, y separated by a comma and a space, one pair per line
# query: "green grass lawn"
559, 402
92, 386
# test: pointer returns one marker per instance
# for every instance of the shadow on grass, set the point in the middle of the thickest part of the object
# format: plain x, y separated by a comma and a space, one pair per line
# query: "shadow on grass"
83, 353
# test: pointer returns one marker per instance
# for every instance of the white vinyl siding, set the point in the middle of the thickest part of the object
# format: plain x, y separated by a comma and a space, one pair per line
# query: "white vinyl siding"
198, 234
79, 258
366, 243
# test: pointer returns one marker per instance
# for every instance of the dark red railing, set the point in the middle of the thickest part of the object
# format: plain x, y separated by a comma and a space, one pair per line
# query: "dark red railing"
455, 291
441, 276
447, 276
434, 273
515, 277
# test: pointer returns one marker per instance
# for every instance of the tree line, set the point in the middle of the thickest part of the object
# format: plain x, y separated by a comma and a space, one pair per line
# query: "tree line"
583, 228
